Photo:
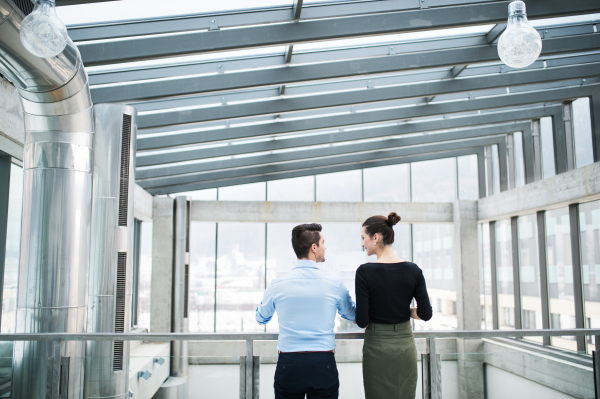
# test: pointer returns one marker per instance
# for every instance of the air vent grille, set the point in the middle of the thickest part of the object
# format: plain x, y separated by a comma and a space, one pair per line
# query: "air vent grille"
124, 188
26, 6
120, 309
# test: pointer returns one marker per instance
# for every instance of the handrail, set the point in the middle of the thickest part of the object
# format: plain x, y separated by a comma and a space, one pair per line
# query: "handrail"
159, 337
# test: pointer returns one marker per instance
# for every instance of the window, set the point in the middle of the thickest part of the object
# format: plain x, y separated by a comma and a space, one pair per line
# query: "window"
589, 226
13, 244
387, 183
145, 275
341, 186
243, 192
547, 139
582, 132
531, 300
519, 159
297, 189
434, 181
433, 252
560, 275
468, 177
504, 273
485, 276
202, 284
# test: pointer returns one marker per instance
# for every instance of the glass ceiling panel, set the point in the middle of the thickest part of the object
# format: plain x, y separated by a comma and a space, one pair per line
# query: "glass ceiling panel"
123, 10
397, 38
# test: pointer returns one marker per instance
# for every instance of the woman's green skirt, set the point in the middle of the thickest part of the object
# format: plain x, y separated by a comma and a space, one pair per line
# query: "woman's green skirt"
389, 362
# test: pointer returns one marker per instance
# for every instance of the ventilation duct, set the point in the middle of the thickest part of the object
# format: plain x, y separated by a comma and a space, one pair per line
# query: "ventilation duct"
111, 258
57, 194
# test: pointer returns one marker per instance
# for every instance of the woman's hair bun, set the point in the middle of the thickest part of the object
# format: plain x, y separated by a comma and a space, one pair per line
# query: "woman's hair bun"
393, 218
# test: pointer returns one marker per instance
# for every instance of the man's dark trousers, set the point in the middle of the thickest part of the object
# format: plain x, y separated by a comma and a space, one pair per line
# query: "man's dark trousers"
313, 374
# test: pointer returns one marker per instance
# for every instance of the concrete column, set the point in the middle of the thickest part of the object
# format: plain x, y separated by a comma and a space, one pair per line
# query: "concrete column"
162, 265
466, 257
4, 194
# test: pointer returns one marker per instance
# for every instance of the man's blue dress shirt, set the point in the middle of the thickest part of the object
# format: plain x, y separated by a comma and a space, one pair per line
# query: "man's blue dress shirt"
306, 300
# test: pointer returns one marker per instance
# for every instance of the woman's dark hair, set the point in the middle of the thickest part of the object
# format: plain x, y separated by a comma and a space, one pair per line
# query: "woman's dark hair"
383, 226
303, 237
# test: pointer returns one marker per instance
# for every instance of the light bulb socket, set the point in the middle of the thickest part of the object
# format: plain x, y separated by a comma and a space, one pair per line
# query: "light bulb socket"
517, 8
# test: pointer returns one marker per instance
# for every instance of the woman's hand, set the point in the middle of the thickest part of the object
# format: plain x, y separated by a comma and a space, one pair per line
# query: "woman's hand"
413, 314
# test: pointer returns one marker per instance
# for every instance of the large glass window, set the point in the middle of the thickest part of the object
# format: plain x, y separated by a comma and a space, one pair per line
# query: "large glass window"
485, 278
240, 275
582, 132
468, 177
387, 183
589, 225
519, 159
433, 252
560, 275
531, 299
495, 169
296, 189
145, 275
546, 134
13, 244
504, 275
201, 314
209, 194
341, 186
244, 192
434, 181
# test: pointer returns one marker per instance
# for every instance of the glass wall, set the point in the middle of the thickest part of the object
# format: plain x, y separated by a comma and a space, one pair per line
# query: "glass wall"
529, 267
560, 275
387, 183
296, 189
496, 169
504, 275
13, 244
589, 225
244, 192
202, 281
519, 159
485, 272
434, 181
145, 275
433, 252
582, 132
546, 135
468, 177
341, 186
241, 265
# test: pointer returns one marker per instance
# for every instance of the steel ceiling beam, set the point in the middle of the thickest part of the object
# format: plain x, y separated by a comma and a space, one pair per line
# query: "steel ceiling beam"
331, 70
144, 48
322, 162
336, 151
315, 171
415, 91
361, 118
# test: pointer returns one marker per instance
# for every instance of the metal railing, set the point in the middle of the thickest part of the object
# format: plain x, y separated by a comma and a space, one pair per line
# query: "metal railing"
250, 364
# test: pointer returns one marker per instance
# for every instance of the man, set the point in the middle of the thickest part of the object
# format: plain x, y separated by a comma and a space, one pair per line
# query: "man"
306, 300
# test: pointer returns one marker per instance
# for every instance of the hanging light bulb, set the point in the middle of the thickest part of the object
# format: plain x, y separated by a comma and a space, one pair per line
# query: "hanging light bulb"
42, 33
520, 44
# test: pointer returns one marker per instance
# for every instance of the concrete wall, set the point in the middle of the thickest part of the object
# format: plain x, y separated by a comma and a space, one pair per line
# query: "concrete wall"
275, 211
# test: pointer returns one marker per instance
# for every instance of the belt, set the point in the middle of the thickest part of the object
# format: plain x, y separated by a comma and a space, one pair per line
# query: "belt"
389, 327
331, 351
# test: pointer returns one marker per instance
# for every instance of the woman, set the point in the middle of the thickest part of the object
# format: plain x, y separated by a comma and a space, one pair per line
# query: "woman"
384, 291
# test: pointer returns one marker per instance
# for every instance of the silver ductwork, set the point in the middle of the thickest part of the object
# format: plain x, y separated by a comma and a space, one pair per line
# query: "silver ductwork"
57, 194
111, 258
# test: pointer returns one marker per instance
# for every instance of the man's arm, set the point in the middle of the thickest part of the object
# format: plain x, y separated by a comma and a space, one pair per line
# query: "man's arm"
346, 307
266, 309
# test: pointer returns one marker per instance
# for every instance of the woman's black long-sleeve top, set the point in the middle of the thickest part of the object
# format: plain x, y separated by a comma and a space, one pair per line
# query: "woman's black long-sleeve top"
384, 292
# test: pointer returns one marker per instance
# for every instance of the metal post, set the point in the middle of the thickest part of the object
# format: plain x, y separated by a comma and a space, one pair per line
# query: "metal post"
4, 194
529, 154
494, 275
541, 226
435, 371
425, 373
569, 139
514, 227
137, 232
256, 377
242, 377
502, 163
577, 278
481, 172
249, 367
490, 171
510, 152
560, 144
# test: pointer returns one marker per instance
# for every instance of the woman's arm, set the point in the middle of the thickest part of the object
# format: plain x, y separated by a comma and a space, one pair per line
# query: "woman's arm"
413, 314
